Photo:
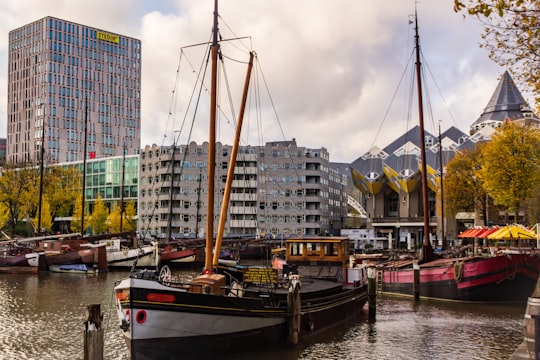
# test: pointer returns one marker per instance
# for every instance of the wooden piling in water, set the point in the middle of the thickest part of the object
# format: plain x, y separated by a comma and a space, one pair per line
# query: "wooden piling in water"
529, 349
372, 291
416, 284
93, 333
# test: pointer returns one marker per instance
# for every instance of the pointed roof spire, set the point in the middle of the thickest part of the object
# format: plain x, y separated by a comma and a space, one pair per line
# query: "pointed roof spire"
506, 103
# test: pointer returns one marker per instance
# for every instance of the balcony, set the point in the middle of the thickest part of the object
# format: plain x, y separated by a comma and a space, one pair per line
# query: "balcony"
243, 197
245, 170
243, 223
242, 210
244, 184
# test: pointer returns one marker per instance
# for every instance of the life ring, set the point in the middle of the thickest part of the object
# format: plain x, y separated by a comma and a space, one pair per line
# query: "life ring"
141, 316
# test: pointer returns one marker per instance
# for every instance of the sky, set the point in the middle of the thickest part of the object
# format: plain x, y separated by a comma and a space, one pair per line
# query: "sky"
333, 67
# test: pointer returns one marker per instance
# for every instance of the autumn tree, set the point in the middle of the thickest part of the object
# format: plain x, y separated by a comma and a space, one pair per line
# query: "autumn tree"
510, 165
98, 219
76, 217
130, 216
511, 33
15, 193
62, 185
46, 217
129, 221
113, 221
463, 185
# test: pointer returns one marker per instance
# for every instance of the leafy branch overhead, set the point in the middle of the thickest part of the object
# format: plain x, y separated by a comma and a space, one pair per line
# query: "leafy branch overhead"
511, 33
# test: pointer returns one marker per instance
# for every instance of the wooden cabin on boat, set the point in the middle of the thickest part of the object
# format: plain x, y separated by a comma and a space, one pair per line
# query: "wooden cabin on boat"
318, 257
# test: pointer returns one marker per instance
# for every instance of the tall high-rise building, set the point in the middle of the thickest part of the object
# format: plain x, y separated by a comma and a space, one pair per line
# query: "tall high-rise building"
65, 81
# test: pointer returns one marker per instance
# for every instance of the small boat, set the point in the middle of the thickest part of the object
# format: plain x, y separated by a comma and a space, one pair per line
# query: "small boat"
119, 256
18, 259
73, 269
172, 255
70, 256
229, 308
18, 256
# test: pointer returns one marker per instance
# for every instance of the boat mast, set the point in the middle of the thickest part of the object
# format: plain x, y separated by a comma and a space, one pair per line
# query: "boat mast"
171, 194
212, 146
443, 234
122, 186
84, 167
427, 249
42, 152
232, 163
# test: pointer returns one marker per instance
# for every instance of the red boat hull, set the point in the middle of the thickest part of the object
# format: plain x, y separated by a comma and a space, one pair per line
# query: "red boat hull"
503, 278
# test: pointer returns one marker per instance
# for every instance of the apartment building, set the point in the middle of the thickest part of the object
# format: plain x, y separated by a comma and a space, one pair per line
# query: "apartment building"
277, 189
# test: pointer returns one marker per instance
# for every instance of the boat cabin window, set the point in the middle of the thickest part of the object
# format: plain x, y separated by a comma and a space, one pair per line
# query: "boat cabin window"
296, 249
313, 249
331, 249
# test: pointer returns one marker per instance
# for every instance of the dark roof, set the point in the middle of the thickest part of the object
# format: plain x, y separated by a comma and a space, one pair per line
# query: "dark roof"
505, 103
454, 134
403, 162
413, 135
367, 166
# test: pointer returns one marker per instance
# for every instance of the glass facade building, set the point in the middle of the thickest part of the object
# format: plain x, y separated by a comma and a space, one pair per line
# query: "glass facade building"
106, 177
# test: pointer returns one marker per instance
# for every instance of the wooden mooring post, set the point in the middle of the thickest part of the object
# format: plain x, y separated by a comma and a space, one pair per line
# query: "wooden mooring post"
372, 292
416, 284
93, 333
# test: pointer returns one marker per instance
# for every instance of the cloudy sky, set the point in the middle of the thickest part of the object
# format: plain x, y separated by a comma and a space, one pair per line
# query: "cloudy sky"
333, 67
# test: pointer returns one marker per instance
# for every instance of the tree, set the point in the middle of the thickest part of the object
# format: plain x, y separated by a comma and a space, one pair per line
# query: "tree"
511, 33
16, 194
75, 225
46, 217
463, 185
130, 213
129, 221
113, 220
98, 219
62, 185
510, 165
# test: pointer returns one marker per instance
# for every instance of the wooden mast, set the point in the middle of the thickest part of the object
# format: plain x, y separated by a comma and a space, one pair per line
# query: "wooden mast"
427, 249
41, 159
212, 146
122, 186
232, 163
443, 233
84, 168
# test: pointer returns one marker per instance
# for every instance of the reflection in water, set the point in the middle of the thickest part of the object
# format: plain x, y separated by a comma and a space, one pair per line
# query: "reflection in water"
41, 317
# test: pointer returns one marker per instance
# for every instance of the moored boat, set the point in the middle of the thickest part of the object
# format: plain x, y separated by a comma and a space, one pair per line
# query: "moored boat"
229, 308
18, 259
175, 256
249, 308
498, 276
74, 269
126, 257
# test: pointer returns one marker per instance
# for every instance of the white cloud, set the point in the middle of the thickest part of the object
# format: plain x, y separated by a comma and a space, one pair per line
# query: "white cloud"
332, 66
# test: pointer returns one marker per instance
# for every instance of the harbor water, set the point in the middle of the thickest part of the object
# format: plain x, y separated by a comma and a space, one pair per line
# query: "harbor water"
41, 317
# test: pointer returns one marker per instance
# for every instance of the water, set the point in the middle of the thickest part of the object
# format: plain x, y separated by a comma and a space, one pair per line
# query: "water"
41, 317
